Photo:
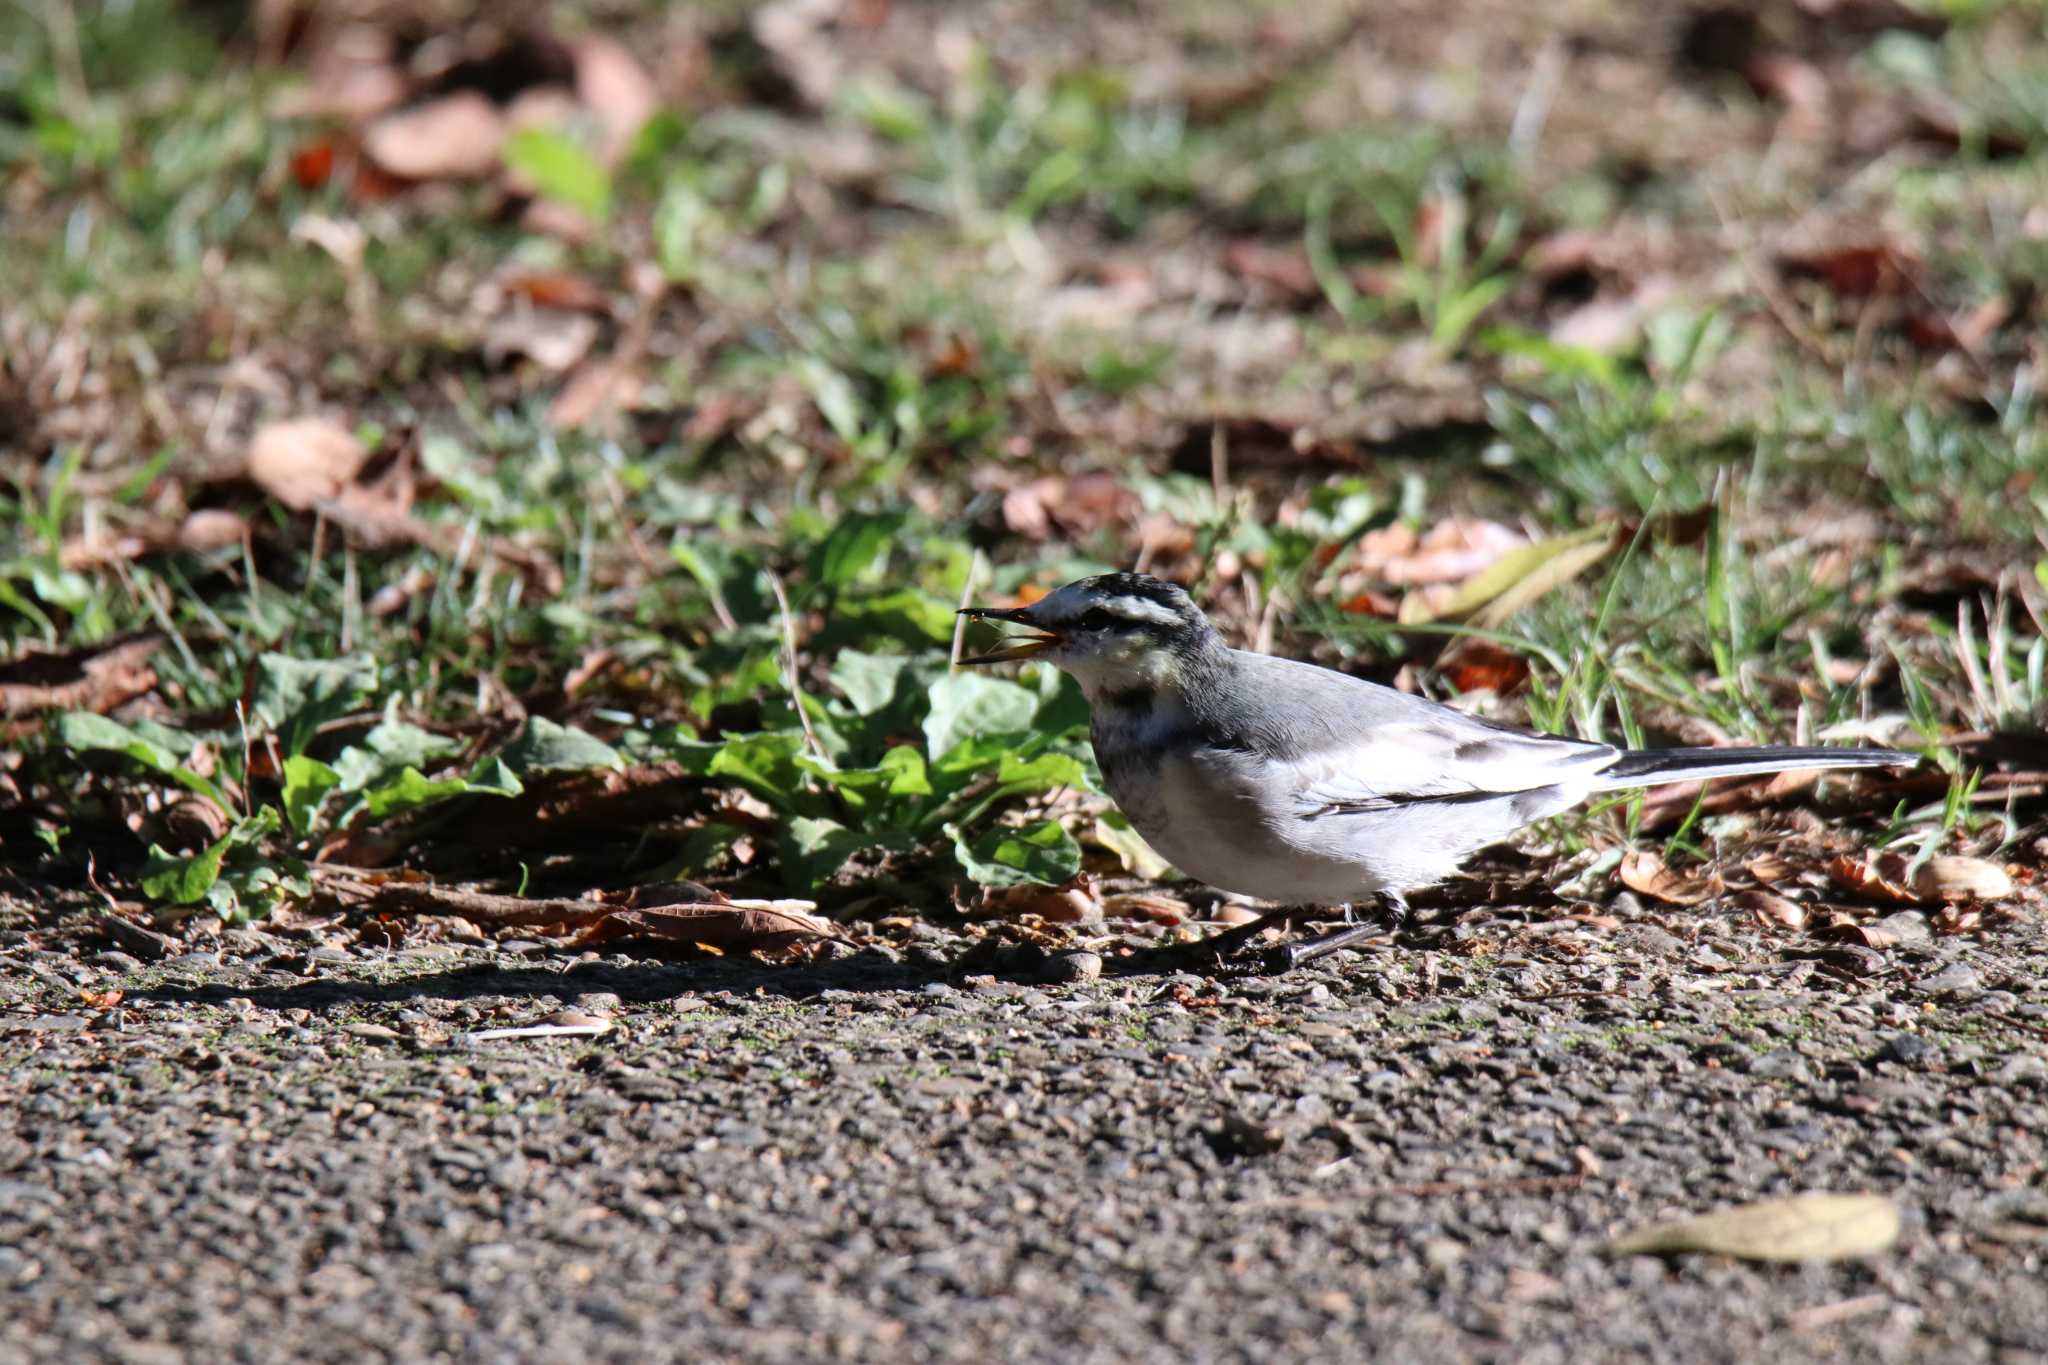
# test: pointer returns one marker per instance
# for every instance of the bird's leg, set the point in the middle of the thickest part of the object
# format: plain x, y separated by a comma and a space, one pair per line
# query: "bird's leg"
1291, 955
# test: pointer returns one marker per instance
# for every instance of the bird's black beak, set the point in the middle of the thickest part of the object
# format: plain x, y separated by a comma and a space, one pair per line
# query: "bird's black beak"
1026, 647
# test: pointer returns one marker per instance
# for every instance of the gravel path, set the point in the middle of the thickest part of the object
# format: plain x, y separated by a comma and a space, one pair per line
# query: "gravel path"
281, 1151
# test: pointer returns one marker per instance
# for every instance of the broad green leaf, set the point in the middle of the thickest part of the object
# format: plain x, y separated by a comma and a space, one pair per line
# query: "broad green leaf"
854, 547
295, 697
388, 747
834, 394
916, 618
1045, 854
812, 850
900, 773
1046, 772
84, 731
867, 680
410, 790
560, 168
172, 880
306, 784
186, 881
766, 763
544, 746
972, 705
491, 777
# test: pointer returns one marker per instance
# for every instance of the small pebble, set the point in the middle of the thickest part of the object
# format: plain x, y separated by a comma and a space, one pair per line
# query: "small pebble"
1064, 968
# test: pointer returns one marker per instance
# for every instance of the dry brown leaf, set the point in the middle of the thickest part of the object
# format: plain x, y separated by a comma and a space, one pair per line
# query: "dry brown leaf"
305, 460
553, 338
96, 679
1805, 1227
615, 87
456, 137
1891, 877
1450, 551
597, 392
211, 528
1771, 909
1644, 872
1954, 878
1474, 665
1077, 902
739, 927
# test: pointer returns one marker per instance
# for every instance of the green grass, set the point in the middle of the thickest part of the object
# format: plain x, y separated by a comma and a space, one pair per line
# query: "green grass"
881, 346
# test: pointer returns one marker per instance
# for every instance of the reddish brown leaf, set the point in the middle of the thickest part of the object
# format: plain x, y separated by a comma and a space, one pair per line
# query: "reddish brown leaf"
558, 289
1482, 666
96, 679
313, 164
1644, 872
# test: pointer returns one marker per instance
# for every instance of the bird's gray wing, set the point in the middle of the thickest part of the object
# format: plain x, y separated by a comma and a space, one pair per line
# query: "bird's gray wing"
1356, 746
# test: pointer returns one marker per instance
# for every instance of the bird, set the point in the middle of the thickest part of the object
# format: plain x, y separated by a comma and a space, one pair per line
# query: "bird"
1306, 787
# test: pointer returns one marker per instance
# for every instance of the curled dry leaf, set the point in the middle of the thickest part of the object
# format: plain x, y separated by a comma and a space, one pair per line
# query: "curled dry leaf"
305, 460
1771, 909
1644, 873
1075, 903
1955, 878
738, 927
456, 137
1805, 1227
96, 679
1946, 878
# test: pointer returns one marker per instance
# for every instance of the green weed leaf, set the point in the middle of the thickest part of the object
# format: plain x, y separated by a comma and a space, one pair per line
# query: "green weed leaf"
1045, 854
561, 169
295, 697
307, 781
545, 746
970, 705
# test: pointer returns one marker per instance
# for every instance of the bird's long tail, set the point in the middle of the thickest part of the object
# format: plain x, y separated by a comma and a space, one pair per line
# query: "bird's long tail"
1650, 767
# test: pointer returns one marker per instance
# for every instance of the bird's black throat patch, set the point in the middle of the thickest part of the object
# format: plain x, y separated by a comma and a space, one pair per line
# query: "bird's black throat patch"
1135, 700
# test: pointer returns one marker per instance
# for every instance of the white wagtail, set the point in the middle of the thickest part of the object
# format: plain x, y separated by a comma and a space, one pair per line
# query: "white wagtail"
1304, 786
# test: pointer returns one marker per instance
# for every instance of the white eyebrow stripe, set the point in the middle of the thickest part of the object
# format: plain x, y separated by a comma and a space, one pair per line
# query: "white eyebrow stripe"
1143, 609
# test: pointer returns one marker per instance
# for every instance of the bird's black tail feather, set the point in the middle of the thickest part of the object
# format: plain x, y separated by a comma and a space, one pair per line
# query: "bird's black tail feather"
1649, 767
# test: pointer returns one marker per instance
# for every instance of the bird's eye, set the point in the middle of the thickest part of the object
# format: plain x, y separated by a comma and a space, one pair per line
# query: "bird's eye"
1098, 618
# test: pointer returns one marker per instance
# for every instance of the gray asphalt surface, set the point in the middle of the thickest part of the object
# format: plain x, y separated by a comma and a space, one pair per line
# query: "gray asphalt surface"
282, 1151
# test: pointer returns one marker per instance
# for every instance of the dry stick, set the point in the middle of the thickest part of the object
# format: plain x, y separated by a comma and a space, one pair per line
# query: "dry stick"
974, 564
796, 694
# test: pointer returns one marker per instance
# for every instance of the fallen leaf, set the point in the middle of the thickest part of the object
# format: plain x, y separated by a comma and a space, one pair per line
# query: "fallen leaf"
557, 289
1805, 1227
1949, 877
1515, 580
1644, 873
595, 392
1451, 551
1771, 909
98, 678
1857, 270
305, 460
211, 528
553, 338
456, 137
1475, 665
742, 926
617, 90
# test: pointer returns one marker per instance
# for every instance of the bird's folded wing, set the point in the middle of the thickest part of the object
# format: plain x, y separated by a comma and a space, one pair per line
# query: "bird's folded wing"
1395, 765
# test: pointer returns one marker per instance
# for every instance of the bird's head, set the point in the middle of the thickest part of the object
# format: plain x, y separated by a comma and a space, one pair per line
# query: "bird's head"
1114, 632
